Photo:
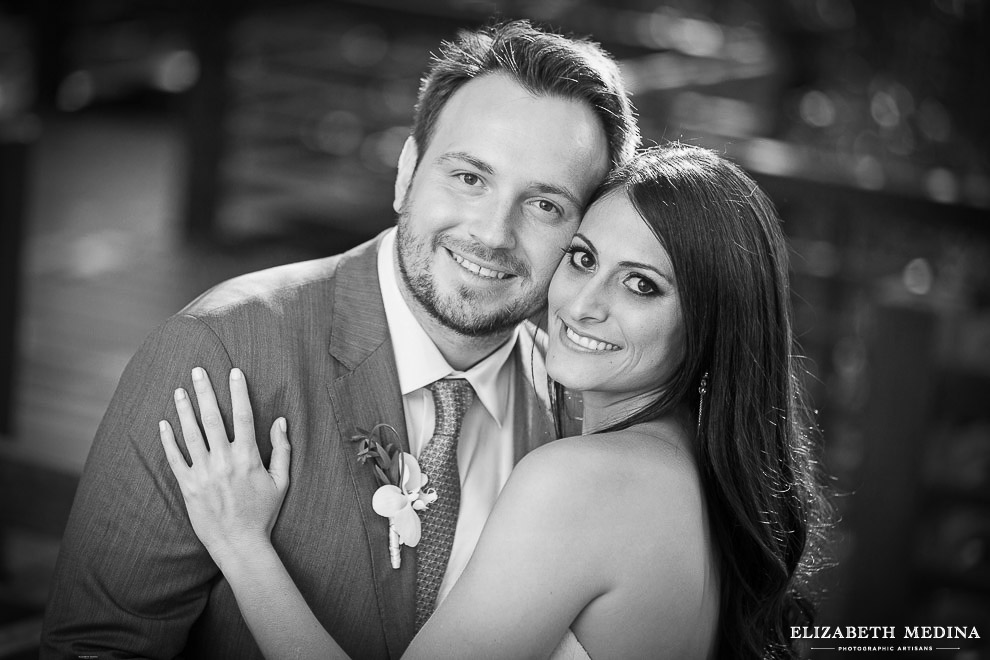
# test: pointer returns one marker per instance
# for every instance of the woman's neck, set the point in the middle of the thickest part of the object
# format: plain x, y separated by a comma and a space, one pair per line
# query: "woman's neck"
605, 409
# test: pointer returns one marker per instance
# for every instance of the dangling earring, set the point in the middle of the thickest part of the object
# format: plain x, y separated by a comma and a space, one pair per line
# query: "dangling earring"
702, 389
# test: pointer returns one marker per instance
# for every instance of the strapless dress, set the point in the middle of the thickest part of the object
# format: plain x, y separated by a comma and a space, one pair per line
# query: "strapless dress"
569, 649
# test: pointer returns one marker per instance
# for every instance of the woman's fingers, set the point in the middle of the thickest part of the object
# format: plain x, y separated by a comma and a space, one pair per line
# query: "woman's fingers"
209, 412
210, 420
279, 466
243, 415
175, 458
190, 429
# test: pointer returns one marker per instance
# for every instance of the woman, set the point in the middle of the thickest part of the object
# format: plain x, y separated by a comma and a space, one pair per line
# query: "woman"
686, 519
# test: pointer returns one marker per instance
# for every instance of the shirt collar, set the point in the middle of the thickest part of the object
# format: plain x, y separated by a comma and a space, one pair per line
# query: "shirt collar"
418, 360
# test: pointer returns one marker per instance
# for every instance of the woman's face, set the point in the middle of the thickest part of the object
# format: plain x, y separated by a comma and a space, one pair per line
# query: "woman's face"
615, 320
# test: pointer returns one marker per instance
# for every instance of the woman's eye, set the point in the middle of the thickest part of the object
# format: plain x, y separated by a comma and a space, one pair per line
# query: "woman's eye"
469, 179
640, 285
582, 259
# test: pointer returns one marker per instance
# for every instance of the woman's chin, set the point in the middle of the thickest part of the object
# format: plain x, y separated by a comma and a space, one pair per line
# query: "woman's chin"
568, 374
555, 369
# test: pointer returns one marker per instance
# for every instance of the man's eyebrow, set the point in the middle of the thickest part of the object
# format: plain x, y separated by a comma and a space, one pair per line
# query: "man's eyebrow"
545, 188
467, 158
550, 189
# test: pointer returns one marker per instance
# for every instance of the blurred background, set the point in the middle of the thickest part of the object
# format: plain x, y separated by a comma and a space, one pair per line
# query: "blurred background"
151, 148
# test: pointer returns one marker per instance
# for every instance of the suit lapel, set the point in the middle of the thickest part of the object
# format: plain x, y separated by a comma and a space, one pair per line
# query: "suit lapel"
365, 395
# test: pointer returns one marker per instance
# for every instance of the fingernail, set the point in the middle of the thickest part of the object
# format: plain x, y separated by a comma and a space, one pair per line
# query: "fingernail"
198, 373
235, 374
180, 394
281, 424
162, 426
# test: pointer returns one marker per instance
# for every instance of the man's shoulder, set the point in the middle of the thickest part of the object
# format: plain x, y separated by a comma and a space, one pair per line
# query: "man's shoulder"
308, 285
272, 286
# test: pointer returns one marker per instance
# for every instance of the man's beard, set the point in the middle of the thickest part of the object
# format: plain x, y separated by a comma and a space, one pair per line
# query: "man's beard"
466, 312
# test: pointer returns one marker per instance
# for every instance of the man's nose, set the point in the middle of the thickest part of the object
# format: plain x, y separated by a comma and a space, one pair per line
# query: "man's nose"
495, 225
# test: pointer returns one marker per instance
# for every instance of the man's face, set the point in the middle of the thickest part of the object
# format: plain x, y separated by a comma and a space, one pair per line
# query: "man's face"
495, 198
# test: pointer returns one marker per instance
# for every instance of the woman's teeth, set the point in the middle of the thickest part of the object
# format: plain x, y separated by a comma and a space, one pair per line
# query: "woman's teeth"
590, 344
478, 269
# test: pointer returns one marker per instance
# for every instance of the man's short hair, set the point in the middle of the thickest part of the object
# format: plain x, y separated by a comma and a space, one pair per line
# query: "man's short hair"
545, 63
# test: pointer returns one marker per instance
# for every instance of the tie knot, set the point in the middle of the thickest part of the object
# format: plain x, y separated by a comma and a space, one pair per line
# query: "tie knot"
451, 399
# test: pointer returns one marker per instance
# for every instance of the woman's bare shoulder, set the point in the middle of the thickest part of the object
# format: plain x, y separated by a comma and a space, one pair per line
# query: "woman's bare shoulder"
626, 512
645, 476
653, 452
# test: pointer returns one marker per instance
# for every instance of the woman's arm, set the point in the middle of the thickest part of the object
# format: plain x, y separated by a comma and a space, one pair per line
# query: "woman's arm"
233, 502
540, 560
603, 534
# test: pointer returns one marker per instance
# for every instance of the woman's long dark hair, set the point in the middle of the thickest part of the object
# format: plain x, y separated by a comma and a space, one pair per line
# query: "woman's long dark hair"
756, 442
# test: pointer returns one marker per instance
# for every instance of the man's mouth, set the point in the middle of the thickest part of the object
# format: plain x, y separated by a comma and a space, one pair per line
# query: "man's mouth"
589, 343
478, 269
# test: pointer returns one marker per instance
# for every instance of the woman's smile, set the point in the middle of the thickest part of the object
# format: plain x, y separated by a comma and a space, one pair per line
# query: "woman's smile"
615, 314
585, 342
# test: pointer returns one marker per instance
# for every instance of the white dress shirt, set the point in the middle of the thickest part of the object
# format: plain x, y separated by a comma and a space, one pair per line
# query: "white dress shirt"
485, 448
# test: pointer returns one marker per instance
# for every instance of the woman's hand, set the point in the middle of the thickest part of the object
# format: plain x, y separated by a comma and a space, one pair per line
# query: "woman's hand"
231, 498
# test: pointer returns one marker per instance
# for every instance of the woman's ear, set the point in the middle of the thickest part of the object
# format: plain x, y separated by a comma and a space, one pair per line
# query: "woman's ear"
404, 175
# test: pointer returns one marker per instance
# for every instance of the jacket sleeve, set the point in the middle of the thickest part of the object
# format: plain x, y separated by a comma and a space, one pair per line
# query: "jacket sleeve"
131, 577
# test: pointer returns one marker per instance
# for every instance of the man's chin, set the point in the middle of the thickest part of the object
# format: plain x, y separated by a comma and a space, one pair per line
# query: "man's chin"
484, 326
481, 322
468, 311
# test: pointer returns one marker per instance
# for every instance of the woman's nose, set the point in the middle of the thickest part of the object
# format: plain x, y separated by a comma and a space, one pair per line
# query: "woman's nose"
590, 301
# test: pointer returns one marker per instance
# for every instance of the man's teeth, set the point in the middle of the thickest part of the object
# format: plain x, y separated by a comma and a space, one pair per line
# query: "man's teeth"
478, 269
590, 344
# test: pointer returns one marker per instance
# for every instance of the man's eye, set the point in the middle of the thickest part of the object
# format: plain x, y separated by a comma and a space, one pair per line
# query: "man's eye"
547, 207
470, 179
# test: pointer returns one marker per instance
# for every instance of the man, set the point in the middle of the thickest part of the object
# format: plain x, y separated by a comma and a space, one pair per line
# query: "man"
513, 131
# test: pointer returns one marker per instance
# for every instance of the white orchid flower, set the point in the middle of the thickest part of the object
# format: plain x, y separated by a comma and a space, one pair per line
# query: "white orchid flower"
400, 505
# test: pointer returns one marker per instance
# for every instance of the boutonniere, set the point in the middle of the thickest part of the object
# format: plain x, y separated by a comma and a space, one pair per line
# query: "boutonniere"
401, 493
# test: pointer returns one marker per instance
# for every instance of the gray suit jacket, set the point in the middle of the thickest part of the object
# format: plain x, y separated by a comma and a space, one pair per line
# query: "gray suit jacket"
134, 581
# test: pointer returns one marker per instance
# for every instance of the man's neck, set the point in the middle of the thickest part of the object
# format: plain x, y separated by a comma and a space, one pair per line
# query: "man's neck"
461, 352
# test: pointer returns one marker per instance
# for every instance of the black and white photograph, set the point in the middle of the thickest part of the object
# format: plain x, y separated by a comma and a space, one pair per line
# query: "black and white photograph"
505, 329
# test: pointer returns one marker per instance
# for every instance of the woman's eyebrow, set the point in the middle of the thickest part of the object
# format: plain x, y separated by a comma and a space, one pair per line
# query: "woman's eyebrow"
642, 266
588, 244
626, 264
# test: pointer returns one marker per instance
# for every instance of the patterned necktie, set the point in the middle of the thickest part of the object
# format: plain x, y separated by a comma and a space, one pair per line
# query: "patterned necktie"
451, 398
